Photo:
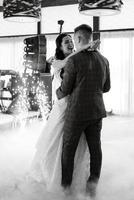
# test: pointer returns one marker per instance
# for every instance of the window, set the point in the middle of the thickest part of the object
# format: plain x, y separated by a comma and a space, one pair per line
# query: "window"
118, 47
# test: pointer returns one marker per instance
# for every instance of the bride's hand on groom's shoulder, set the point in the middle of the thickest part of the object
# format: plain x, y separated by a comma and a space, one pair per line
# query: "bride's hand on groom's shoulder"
94, 45
91, 46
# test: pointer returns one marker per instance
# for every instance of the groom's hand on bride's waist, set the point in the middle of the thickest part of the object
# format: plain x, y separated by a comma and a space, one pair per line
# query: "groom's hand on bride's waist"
59, 93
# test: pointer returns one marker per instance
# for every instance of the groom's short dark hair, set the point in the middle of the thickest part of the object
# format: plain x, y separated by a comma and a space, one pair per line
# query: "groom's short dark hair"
85, 29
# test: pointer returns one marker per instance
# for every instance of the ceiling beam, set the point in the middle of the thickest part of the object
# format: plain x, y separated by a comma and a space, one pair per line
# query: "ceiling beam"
47, 3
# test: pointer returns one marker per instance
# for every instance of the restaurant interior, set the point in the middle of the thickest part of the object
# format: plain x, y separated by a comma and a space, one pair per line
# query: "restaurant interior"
27, 41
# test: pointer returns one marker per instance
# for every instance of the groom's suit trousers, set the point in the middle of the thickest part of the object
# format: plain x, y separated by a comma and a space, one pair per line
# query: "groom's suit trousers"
86, 77
72, 133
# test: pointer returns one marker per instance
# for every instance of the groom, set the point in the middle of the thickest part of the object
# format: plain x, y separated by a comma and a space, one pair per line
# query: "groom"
86, 77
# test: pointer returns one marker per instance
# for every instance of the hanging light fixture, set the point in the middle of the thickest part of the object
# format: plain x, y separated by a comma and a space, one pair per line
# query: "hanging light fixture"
22, 10
100, 7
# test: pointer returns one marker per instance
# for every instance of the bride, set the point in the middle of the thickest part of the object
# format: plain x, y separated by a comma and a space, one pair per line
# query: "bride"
46, 165
43, 180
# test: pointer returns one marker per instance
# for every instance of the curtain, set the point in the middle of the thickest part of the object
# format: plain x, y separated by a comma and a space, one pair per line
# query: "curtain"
118, 47
11, 53
51, 45
11, 56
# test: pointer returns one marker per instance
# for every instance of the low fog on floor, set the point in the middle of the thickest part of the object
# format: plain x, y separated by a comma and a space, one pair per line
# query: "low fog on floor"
17, 148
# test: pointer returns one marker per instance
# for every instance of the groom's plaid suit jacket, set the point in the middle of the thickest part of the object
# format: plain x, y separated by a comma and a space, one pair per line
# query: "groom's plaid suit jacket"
86, 77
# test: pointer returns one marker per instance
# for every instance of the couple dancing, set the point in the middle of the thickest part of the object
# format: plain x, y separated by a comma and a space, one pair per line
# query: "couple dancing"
69, 156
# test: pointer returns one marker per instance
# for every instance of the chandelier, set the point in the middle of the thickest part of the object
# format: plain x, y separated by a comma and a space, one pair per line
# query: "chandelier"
22, 10
100, 7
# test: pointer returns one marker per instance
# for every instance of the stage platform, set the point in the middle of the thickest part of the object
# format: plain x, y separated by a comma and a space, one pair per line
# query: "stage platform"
8, 121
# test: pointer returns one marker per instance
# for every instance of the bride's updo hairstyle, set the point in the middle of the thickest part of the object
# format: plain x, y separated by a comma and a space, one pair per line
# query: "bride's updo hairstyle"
59, 54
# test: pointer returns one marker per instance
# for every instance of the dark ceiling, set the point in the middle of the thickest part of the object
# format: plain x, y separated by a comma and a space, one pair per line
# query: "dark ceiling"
47, 3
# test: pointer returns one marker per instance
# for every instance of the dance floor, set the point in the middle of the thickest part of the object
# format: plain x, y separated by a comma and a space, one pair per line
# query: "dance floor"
8, 121
17, 148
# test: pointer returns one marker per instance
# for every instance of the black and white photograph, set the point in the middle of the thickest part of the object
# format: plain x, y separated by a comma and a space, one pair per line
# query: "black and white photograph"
66, 99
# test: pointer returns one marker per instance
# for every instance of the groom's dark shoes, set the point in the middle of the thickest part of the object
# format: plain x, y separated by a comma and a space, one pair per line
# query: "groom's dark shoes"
67, 191
91, 187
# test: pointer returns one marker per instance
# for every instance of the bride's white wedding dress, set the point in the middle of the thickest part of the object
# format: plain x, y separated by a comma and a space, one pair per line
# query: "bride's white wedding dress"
43, 180
46, 166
